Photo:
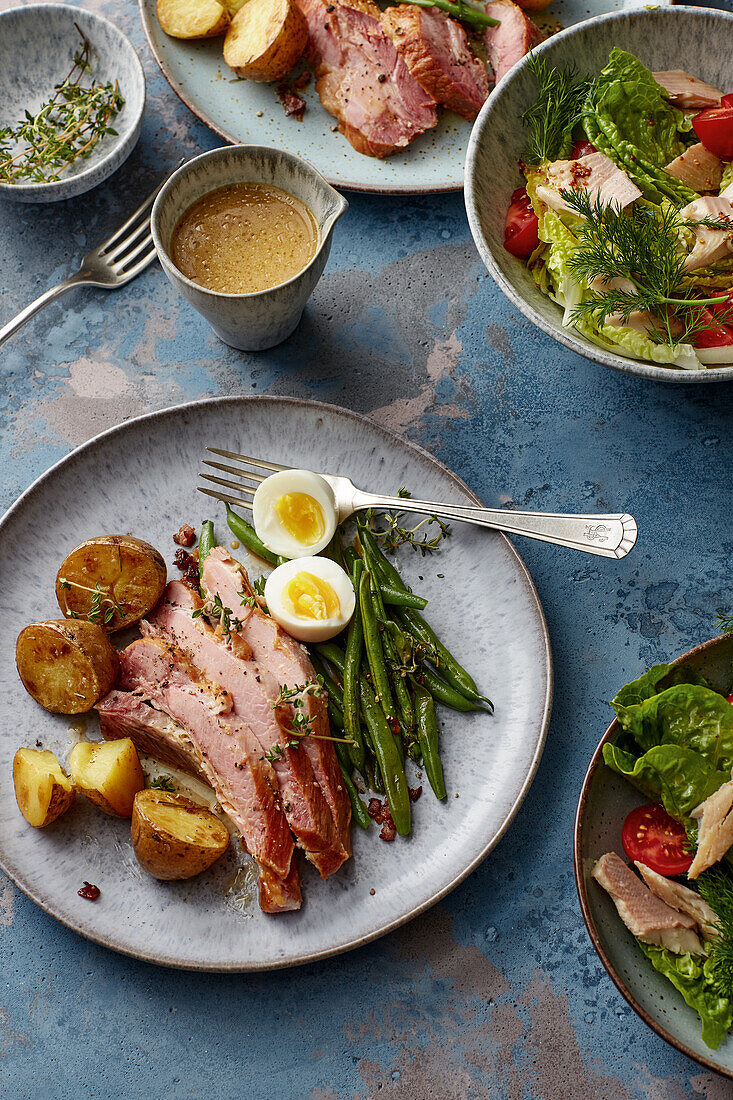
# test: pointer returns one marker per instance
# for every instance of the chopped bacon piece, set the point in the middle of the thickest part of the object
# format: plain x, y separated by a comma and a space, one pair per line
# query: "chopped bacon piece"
292, 103
185, 535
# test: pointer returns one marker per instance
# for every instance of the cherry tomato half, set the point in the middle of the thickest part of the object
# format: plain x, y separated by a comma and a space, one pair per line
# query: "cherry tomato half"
652, 837
713, 335
714, 128
730, 699
726, 101
582, 148
520, 230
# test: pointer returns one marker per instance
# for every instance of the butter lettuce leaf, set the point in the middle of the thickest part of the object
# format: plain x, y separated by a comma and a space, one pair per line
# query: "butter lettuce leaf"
654, 681
687, 715
676, 776
692, 976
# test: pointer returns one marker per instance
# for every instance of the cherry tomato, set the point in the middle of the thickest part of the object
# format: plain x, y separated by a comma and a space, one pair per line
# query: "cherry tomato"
652, 837
714, 335
520, 230
726, 101
714, 127
723, 310
730, 699
582, 148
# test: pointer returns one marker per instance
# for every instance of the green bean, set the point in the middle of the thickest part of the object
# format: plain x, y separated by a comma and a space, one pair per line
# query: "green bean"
249, 538
373, 647
206, 545
446, 693
384, 566
388, 758
372, 776
350, 558
448, 666
358, 809
397, 598
354, 646
427, 731
333, 653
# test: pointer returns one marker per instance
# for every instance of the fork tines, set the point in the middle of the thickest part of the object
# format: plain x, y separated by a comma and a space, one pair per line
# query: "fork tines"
246, 491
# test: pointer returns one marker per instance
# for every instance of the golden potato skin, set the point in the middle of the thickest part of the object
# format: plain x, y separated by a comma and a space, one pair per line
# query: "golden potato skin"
192, 18
174, 838
266, 39
67, 665
108, 773
130, 573
43, 791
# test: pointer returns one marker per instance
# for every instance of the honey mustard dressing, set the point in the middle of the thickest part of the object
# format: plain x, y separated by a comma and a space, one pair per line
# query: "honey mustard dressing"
243, 238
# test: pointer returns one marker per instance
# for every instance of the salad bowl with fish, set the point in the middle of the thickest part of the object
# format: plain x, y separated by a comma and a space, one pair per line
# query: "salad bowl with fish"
599, 191
653, 841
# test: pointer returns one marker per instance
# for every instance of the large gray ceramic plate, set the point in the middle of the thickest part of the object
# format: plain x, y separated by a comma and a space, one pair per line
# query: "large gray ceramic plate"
141, 477
434, 162
605, 800
699, 40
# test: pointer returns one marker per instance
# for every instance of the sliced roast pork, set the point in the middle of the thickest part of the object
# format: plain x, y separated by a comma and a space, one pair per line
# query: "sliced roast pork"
229, 756
155, 733
711, 245
514, 37
683, 899
436, 51
228, 660
645, 915
596, 174
698, 168
361, 78
288, 663
714, 830
687, 92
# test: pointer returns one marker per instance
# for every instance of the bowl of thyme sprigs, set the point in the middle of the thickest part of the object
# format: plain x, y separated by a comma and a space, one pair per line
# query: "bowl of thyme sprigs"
582, 204
72, 96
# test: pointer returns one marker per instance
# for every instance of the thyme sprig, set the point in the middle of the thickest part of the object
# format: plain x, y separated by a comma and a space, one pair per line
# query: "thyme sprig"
66, 128
163, 783
300, 723
215, 609
102, 607
393, 533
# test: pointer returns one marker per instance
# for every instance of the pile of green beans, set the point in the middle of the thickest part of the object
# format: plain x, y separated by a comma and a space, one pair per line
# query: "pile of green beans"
384, 676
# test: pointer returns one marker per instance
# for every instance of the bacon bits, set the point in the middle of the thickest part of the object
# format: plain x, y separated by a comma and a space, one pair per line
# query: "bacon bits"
414, 793
185, 535
89, 891
189, 569
379, 812
291, 101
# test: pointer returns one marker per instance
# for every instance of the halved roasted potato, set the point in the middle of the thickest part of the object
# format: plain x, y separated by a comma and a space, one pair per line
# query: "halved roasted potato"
43, 791
173, 837
112, 580
233, 6
192, 18
108, 773
67, 665
266, 39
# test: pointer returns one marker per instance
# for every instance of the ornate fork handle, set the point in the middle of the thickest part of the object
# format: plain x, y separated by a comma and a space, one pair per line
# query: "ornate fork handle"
30, 310
609, 536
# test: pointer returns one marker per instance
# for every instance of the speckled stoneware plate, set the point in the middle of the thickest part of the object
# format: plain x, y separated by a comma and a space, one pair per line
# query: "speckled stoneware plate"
141, 477
242, 111
37, 43
699, 40
605, 800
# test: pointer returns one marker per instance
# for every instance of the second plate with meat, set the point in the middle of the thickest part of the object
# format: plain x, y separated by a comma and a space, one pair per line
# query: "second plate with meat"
141, 478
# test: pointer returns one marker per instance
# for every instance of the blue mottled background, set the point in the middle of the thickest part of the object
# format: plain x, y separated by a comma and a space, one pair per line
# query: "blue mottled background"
497, 992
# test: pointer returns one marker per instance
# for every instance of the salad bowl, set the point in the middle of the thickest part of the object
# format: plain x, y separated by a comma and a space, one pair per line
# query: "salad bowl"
698, 40
605, 800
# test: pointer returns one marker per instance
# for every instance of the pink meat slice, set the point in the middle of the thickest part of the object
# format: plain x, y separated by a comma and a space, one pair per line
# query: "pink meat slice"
230, 756
514, 37
687, 92
436, 51
361, 79
698, 168
254, 691
155, 733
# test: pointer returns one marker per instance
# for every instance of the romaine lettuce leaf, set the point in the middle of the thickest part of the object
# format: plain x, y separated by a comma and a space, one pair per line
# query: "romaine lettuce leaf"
687, 715
691, 976
676, 776
727, 177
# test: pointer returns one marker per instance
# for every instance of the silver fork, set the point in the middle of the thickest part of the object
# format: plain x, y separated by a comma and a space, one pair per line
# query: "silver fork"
117, 260
609, 536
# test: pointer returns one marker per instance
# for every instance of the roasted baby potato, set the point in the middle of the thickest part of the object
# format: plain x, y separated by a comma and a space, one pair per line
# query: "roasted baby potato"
192, 18
233, 6
173, 837
43, 791
266, 39
112, 580
67, 665
108, 773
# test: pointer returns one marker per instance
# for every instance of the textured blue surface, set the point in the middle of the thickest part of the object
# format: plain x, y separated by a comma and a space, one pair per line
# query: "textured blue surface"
496, 993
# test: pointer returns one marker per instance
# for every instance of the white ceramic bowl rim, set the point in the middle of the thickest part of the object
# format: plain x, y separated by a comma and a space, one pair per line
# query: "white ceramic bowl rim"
342, 206
566, 337
94, 17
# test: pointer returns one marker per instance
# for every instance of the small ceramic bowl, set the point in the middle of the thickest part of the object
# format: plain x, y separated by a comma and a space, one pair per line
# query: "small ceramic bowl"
605, 800
251, 322
699, 40
37, 45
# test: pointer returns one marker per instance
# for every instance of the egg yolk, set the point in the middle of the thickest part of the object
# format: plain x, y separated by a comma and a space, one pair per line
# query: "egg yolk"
301, 516
312, 598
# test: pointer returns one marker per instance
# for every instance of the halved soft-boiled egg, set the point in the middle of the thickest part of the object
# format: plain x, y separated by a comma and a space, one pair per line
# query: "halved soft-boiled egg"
312, 598
294, 513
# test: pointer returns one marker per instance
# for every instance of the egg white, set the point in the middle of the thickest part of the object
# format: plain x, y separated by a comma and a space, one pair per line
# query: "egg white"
267, 523
310, 630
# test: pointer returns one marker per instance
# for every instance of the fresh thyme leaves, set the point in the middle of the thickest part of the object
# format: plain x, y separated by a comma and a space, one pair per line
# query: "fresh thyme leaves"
259, 586
102, 607
555, 112
65, 128
162, 783
394, 533
214, 609
641, 246
301, 724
